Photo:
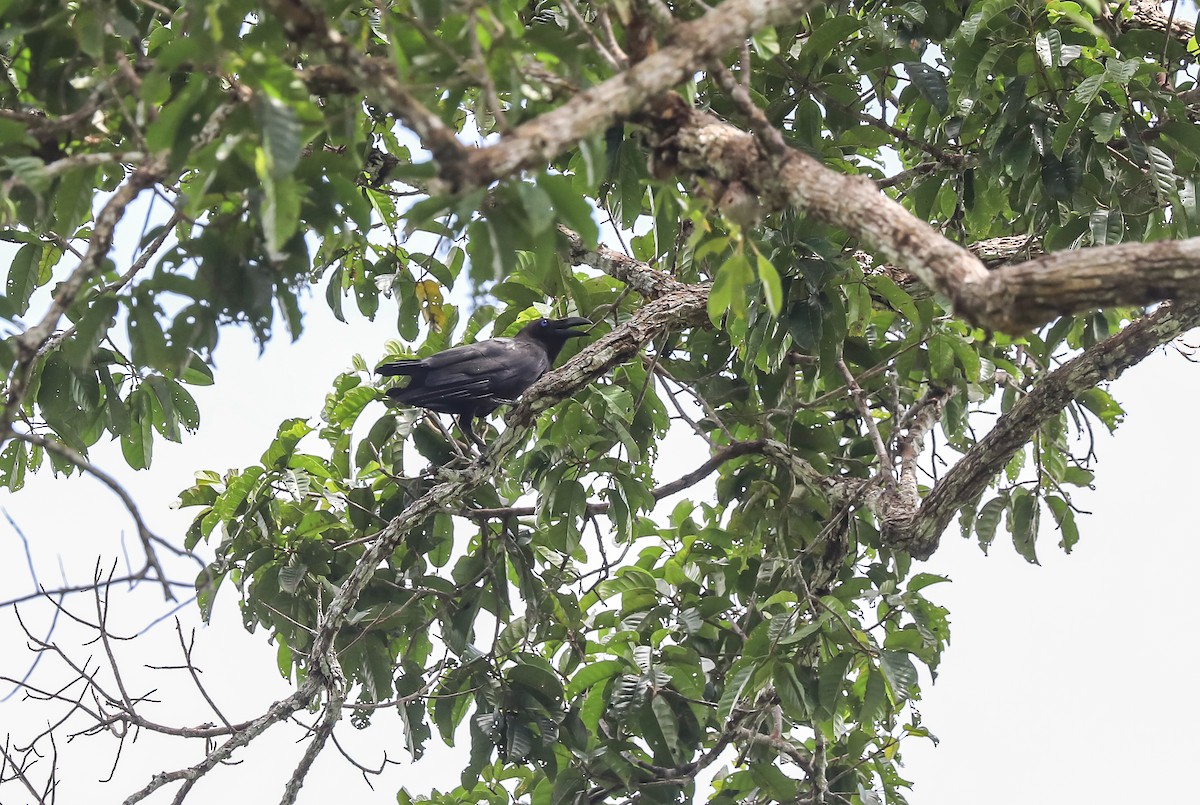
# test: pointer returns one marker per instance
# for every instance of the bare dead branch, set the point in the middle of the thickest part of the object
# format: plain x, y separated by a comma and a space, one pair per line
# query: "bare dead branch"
886, 462
148, 538
12, 768
333, 711
277, 712
187, 647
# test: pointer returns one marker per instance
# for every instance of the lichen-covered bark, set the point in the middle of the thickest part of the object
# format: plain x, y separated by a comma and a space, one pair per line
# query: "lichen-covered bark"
1013, 298
967, 479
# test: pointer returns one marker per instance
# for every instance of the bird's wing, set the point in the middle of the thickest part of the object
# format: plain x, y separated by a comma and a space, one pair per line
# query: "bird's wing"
465, 354
502, 363
406, 366
474, 375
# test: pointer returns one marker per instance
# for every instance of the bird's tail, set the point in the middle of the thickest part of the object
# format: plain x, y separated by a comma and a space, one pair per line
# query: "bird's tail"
400, 368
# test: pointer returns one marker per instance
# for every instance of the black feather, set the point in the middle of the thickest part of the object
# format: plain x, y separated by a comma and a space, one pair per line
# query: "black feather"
473, 380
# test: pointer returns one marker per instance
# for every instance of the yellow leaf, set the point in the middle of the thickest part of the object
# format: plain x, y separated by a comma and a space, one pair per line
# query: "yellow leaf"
429, 293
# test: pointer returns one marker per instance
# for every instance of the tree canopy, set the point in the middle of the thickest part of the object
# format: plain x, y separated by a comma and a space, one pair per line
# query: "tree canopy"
875, 263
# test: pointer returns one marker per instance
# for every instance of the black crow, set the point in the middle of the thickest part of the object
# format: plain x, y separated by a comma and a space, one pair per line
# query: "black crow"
475, 379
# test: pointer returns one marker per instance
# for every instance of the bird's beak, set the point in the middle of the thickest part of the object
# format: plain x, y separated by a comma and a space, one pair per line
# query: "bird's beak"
575, 321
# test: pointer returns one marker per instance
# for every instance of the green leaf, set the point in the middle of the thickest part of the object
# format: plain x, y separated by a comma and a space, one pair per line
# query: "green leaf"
23, 277
828, 35
1162, 171
539, 209
873, 698
735, 684
1023, 523
1048, 45
289, 434
892, 294
290, 577
831, 679
930, 83
1105, 125
280, 134
766, 43
900, 673
30, 171
137, 444
280, 213
729, 288
1064, 518
207, 583
14, 460
146, 337
988, 520
668, 724
1060, 178
1087, 89
592, 674
1107, 227
92, 326
571, 207
772, 287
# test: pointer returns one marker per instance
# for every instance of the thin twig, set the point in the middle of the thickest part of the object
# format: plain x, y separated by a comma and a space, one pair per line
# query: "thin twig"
148, 537
860, 401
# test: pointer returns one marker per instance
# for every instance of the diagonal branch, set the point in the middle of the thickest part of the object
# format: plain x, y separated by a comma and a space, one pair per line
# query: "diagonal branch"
31, 341
277, 712
692, 44
886, 463
967, 479
148, 538
637, 275
1011, 298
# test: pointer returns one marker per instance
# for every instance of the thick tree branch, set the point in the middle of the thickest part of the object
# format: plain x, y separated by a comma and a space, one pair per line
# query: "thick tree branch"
1012, 298
691, 46
1148, 15
1024, 295
967, 479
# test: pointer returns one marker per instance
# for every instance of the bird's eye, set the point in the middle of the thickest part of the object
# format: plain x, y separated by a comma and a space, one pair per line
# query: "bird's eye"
544, 323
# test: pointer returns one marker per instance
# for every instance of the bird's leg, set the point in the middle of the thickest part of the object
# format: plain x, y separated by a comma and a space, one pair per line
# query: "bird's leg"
466, 425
